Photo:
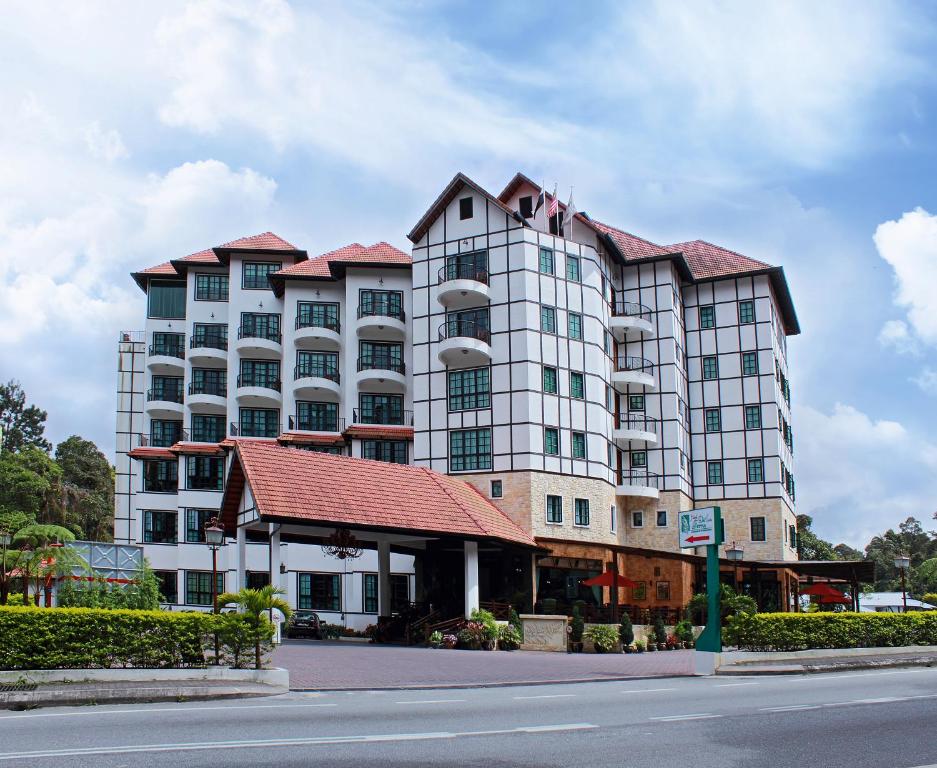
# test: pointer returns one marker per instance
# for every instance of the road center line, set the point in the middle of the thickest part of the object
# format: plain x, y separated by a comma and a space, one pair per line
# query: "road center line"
430, 701
647, 690
790, 708
547, 696
675, 718
732, 685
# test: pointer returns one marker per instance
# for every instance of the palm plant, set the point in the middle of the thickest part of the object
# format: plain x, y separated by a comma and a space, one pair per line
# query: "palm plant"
254, 604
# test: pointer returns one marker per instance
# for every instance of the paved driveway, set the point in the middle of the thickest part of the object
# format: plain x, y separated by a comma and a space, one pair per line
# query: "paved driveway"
318, 664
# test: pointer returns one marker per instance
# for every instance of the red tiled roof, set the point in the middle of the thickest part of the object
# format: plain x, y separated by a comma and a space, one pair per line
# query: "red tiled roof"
707, 260
149, 452
197, 449
317, 488
631, 246
330, 266
201, 257
310, 438
265, 241
380, 430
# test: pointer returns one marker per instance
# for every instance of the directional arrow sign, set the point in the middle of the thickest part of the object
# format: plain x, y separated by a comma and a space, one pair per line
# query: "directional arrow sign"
697, 539
697, 526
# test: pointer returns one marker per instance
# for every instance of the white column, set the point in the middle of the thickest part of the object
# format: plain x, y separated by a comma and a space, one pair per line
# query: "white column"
241, 558
383, 578
471, 577
275, 555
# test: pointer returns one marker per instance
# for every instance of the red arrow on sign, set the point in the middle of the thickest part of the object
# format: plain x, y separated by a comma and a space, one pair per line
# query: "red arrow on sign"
691, 539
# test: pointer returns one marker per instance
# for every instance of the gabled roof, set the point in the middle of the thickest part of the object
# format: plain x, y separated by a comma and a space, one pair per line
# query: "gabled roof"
708, 261
513, 184
332, 265
292, 485
264, 243
459, 181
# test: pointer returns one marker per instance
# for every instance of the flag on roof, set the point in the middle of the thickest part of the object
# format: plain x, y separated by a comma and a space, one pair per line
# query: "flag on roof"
554, 204
541, 200
570, 211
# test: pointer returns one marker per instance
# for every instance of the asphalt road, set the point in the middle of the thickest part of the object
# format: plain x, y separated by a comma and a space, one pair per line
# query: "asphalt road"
847, 719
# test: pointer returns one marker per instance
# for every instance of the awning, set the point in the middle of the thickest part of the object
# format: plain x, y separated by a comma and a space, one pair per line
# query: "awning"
609, 579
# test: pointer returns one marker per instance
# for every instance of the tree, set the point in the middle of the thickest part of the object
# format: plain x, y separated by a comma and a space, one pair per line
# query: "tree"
42, 555
254, 604
910, 539
845, 552
924, 577
29, 484
23, 426
88, 488
730, 604
809, 545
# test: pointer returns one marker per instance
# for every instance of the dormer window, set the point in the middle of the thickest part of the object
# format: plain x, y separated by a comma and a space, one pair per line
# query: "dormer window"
526, 206
465, 208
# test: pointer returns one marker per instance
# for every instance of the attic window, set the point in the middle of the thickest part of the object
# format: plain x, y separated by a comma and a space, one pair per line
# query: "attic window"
527, 206
465, 208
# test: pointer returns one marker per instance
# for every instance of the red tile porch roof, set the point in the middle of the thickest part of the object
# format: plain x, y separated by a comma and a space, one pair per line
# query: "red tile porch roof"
332, 265
385, 431
311, 438
149, 452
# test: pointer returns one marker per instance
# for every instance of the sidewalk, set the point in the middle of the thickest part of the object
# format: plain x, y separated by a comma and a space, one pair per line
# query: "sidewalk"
831, 661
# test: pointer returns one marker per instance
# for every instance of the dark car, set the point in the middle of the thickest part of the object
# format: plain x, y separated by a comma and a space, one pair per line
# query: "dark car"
304, 624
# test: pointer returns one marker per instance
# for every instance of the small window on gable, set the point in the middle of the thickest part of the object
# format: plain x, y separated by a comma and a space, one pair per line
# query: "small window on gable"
465, 208
526, 206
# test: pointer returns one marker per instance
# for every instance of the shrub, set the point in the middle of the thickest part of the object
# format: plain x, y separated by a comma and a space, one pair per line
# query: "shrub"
626, 630
486, 619
684, 631
509, 639
89, 638
576, 626
236, 635
473, 635
515, 621
332, 631
603, 637
639, 646
930, 597
660, 630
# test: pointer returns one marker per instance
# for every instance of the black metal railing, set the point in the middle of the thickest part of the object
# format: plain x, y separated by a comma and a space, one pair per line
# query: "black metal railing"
639, 477
317, 424
215, 388
233, 429
267, 382
259, 332
637, 421
204, 483
387, 416
169, 396
381, 363
622, 308
469, 329
638, 364
463, 272
305, 371
381, 309
211, 341
160, 485
331, 323
162, 441
206, 436
168, 350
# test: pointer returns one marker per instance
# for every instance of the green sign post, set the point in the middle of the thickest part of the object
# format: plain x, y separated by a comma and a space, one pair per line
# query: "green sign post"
698, 527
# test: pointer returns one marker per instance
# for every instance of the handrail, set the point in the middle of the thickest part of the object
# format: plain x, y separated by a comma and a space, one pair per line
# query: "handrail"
381, 309
630, 420
209, 341
208, 388
639, 477
311, 371
457, 271
334, 425
622, 308
168, 350
629, 363
313, 322
252, 332
470, 329
167, 397
382, 363
387, 417
244, 380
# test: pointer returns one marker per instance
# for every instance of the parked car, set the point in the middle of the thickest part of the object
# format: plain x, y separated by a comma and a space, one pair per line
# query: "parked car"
304, 624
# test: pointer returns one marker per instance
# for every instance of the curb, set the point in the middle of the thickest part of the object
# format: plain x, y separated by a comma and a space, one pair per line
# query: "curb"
85, 696
493, 684
813, 669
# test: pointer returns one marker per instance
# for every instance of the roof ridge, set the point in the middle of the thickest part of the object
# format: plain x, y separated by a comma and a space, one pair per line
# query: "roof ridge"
498, 509
436, 477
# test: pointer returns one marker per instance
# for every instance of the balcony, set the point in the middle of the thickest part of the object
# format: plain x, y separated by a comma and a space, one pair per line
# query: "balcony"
638, 483
382, 320
383, 370
630, 320
235, 431
258, 341
320, 424
164, 404
634, 428
311, 381
463, 343
462, 285
166, 359
207, 397
312, 332
633, 373
258, 392
384, 416
162, 441
208, 351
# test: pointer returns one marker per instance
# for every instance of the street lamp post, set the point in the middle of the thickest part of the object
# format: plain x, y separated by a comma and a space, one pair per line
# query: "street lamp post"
735, 553
902, 563
6, 539
214, 537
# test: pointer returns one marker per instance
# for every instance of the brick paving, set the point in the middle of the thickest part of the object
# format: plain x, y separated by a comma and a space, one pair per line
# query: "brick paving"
316, 664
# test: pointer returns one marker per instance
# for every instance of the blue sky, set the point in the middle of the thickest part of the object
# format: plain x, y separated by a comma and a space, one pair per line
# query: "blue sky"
798, 133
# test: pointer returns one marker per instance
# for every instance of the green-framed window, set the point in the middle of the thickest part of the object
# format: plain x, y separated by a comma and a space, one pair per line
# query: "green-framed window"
714, 472
316, 416
547, 319
549, 380
204, 473
165, 299
198, 587
749, 363
323, 365
260, 373
161, 476
164, 433
469, 389
547, 261
707, 316
469, 450
317, 314
756, 471
635, 402
320, 592
581, 512
259, 422
638, 459
579, 445
574, 325
752, 417
207, 429
380, 302
171, 344
573, 270
254, 274
380, 409
212, 335
209, 381
758, 531
160, 526
497, 489
391, 451
577, 385
607, 342
369, 590
261, 325
551, 441
746, 312
195, 522
554, 509
713, 420
211, 287
711, 367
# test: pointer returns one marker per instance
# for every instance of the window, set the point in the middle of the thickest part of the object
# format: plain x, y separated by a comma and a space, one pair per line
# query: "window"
198, 587
713, 420
710, 367
212, 335
579, 445
758, 528
613, 520
320, 592
469, 449
746, 312
369, 590
259, 422
574, 325
635, 402
609, 398
663, 590
260, 325
577, 385
165, 433
555, 509
207, 429
549, 380
379, 302
391, 451
323, 365
469, 389
707, 316
547, 265
168, 585
661, 518
714, 472
255, 274
756, 471
581, 512
159, 527
637, 519
317, 417
195, 522
380, 409
316, 314
749, 363
204, 473
167, 388
161, 476
209, 381
572, 268
551, 441
465, 208
526, 206
260, 373
169, 344
547, 319
497, 489
611, 455
752, 417
257, 579
380, 355
165, 299
607, 343
638, 459
211, 287
792, 533
399, 591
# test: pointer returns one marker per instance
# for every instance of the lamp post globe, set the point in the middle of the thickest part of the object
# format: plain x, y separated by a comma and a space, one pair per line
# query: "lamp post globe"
6, 539
902, 563
214, 534
735, 552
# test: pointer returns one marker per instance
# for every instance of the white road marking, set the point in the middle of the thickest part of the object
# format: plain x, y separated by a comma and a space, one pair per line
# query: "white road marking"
319, 740
675, 718
548, 696
99, 712
647, 690
790, 708
430, 701
732, 685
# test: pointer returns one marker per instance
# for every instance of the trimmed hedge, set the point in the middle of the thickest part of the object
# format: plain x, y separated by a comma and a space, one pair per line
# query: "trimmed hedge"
799, 631
94, 638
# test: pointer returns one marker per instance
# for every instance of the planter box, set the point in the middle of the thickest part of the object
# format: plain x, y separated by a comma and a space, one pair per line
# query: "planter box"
544, 632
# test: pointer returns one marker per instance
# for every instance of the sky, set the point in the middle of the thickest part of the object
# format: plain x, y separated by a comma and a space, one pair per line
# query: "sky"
799, 133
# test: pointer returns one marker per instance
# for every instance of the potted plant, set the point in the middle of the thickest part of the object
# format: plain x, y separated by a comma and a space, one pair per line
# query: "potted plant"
660, 633
509, 639
576, 629
684, 633
489, 629
603, 637
638, 646
450, 641
626, 633
435, 639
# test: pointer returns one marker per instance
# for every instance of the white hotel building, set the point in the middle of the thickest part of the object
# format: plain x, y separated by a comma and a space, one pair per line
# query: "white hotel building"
592, 384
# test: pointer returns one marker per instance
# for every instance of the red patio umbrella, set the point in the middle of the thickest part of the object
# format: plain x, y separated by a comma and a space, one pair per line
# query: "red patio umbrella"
821, 589
609, 579
829, 599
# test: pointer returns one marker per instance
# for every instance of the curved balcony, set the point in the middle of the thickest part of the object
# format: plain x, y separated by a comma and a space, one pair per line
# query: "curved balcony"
258, 392
297, 424
254, 341
381, 415
464, 343
208, 351
207, 397
462, 285
164, 404
382, 369
316, 332
316, 382
633, 373
630, 320
381, 320
162, 359
638, 483
634, 428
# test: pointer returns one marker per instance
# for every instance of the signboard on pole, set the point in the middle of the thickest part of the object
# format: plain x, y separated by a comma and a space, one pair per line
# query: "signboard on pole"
698, 527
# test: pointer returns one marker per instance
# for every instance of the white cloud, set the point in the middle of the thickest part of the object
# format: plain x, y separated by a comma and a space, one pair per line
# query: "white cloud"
927, 381
896, 335
105, 145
